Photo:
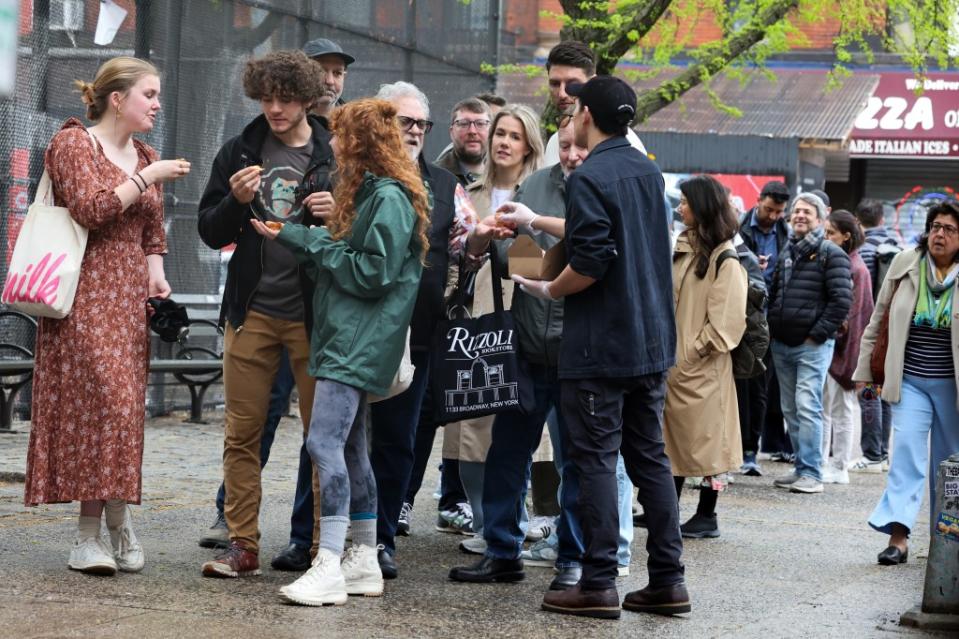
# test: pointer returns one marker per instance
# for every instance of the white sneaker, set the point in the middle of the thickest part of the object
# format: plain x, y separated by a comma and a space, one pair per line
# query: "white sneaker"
540, 527
126, 549
473, 546
834, 475
866, 465
92, 556
361, 571
321, 585
542, 554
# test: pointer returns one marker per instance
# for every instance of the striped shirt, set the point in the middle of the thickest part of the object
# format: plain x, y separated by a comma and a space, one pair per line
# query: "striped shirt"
929, 352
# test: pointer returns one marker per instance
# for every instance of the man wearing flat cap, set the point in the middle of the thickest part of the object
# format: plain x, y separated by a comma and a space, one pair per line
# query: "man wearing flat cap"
619, 341
334, 61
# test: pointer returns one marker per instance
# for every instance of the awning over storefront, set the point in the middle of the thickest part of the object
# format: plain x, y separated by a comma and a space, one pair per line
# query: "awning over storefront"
798, 105
898, 123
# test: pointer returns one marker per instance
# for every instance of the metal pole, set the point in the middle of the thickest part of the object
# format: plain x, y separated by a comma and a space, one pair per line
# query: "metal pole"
141, 39
41, 52
940, 596
494, 31
410, 42
171, 75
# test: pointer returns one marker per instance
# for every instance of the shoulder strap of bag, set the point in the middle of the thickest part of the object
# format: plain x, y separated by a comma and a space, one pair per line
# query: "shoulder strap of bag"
722, 257
44, 193
497, 284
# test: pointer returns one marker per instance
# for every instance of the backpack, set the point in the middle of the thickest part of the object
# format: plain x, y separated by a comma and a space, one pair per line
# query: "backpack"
748, 354
884, 255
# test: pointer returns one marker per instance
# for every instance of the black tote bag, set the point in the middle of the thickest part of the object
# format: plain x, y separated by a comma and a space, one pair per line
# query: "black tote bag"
475, 367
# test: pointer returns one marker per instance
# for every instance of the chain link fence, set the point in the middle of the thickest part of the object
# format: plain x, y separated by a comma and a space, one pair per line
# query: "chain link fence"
200, 48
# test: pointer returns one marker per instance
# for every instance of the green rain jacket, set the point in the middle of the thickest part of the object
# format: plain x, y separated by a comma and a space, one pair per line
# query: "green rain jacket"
366, 284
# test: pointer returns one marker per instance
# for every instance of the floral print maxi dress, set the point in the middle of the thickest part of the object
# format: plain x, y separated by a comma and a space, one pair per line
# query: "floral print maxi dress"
89, 388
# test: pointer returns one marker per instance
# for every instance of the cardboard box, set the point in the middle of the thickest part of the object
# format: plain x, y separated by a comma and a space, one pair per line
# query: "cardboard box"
528, 260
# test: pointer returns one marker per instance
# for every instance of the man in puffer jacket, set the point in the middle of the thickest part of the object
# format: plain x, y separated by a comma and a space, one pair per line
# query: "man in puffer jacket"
810, 295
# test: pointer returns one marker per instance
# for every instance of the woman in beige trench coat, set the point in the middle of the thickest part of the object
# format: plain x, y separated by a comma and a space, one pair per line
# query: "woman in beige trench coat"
701, 419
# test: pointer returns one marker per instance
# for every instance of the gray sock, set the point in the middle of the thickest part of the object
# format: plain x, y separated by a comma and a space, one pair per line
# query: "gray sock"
333, 533
364, 532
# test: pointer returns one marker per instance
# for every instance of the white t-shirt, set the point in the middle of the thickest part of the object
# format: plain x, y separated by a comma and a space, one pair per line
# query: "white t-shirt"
499, 196
551, 156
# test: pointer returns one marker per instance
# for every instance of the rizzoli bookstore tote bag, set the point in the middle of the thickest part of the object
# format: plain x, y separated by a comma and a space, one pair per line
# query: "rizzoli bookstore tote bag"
475, 367
45, 266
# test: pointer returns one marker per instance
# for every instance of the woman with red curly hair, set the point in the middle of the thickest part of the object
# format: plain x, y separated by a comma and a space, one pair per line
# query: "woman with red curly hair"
367, 263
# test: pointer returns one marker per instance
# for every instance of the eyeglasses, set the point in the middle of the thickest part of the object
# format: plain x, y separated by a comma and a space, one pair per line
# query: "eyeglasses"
464, 125
565, 119
947, 229
407, 124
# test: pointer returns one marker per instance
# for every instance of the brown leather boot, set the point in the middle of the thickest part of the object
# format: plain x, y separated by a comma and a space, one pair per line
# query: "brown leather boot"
602, 604
235, 561
671, 600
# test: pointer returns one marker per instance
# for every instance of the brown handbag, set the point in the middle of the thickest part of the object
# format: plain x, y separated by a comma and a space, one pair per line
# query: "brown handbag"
877, 361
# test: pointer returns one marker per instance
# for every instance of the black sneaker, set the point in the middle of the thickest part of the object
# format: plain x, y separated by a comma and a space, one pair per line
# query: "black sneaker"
700, 527
403, 523
218, 536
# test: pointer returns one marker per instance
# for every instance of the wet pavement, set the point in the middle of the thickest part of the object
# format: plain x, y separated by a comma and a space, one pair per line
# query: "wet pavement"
786, 565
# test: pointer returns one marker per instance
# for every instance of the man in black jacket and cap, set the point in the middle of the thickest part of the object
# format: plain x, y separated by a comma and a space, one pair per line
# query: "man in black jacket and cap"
619, 341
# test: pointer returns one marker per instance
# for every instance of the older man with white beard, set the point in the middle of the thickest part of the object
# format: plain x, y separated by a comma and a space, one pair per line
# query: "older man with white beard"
394, 421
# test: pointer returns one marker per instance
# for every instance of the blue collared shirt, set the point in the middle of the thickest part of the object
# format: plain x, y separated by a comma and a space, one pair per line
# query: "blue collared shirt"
766, 244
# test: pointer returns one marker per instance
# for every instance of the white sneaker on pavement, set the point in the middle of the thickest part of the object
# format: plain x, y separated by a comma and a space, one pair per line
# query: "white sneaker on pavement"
361, 571
126, 548
542, 554
323, 584
473, 546
540, 527
866, 465
92, 556
834, 475
806, 484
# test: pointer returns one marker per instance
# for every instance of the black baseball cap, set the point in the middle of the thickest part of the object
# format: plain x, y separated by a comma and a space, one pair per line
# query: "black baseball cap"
610, 101
322, 46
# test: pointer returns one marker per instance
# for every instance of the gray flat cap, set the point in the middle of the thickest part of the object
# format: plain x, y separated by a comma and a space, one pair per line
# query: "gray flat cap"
322, 46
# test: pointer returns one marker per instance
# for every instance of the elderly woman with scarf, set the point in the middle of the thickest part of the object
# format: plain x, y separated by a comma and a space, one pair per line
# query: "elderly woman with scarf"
919, 298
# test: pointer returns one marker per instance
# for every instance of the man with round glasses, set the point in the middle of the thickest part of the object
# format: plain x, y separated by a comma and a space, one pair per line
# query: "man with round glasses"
469, 131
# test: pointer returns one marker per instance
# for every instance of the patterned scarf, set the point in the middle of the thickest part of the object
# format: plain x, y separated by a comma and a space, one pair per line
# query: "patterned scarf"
800, 248
934, 306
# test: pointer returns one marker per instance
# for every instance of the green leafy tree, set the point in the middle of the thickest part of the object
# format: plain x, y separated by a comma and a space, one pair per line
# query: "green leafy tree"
655, 33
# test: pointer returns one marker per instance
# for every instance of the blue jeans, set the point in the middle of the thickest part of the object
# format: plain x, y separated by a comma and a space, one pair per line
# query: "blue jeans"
515, 437
392, 449
802, 373
925, 418
301, 521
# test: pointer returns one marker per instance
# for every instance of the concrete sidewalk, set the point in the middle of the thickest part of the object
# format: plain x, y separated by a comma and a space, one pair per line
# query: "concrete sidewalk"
786, 565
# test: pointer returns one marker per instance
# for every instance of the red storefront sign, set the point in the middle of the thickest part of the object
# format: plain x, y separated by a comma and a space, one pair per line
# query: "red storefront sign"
898, 123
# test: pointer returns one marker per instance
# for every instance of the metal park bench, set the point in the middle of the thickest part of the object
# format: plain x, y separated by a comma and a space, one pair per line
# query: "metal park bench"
196, 362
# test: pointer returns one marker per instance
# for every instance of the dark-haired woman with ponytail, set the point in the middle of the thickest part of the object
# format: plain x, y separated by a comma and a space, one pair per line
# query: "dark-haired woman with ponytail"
701, 418
89, 388
840, 405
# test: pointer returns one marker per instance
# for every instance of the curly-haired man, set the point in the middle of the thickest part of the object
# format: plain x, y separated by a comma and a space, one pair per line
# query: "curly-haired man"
274, 171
